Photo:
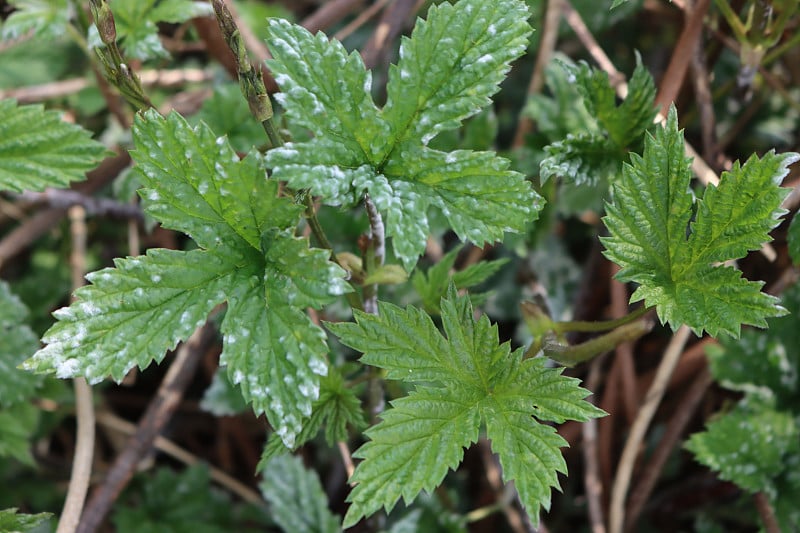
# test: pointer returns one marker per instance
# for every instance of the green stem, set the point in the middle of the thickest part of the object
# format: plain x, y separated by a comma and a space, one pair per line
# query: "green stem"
579, 353
733, 20
596, 327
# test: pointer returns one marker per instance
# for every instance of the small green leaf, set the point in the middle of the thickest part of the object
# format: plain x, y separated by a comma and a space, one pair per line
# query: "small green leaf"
585, 159
617, 3
45, 18
17, 342
675, 261
226, 113
461, 379
296, 498
794, 240
17, 425
223, 398
39, 150
11, 521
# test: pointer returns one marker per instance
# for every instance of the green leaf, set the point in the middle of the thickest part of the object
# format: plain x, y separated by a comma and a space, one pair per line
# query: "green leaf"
226, 113
587, 157
296, 498
650, 218
336, 408
748, 446
45, 18
461, 379
39, 150
452, 64
248, 257
11, 521
17, 425
223, 398
136, 23
358, 149
17, 342
793, 238
617, 3
432, 285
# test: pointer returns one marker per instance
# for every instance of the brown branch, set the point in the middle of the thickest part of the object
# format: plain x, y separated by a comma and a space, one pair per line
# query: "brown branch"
329, 14
388, 29
675, 428
65, 198
766, 512
591, 477
158, 413
360, 20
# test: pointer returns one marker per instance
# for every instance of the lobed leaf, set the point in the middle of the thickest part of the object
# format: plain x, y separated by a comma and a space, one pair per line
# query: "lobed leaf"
793, 238
10, 520
44, 18
674, 260
358, 149
38, 149
462, 379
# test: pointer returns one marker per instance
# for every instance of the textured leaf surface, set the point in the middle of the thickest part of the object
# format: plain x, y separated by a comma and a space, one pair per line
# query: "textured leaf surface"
794, 240
17, 426
677, 273
17, 342
748, 446
296, 498
248, 256
45, 18
11, 521
448, 70
336, 408
462, 378
589, 157
39, 150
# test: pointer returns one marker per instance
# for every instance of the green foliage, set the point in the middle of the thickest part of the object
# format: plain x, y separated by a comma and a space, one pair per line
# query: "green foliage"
296, 498
222, 398
45, 18
336, 408
794, 239
174, 502
754, 444
17, 342
39, 150
593, 156
432, 285
11, 521
462, 380
359, 149
226, 113
17, 424
136, 23
248, 257
652, 212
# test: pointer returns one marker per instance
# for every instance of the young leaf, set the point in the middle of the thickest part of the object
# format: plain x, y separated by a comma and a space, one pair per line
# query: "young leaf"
248, 257
461, 379
793, 239
296, 498
39, 150
17, 342
652, 213
594, 156
359, 149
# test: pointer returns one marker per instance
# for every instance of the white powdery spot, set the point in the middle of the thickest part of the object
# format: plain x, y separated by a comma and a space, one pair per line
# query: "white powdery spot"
202, 188
89, 309
237, 378
155, 278
485, 58
220, 140
65, 313
309, 389
318, 366
68, 368
231, 339
491, 30
451, 157
282, 79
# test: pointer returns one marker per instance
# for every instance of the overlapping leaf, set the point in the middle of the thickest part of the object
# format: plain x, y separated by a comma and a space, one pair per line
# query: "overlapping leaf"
447, 71
44, 18
133, 313
462, 379
17, 342
589, 157
39, 150
11, 521
674, 259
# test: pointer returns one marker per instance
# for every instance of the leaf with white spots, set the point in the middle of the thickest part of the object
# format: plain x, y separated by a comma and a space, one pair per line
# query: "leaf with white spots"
449, 69
462, 379
248, 257
132, 314
452, 64
39, 150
